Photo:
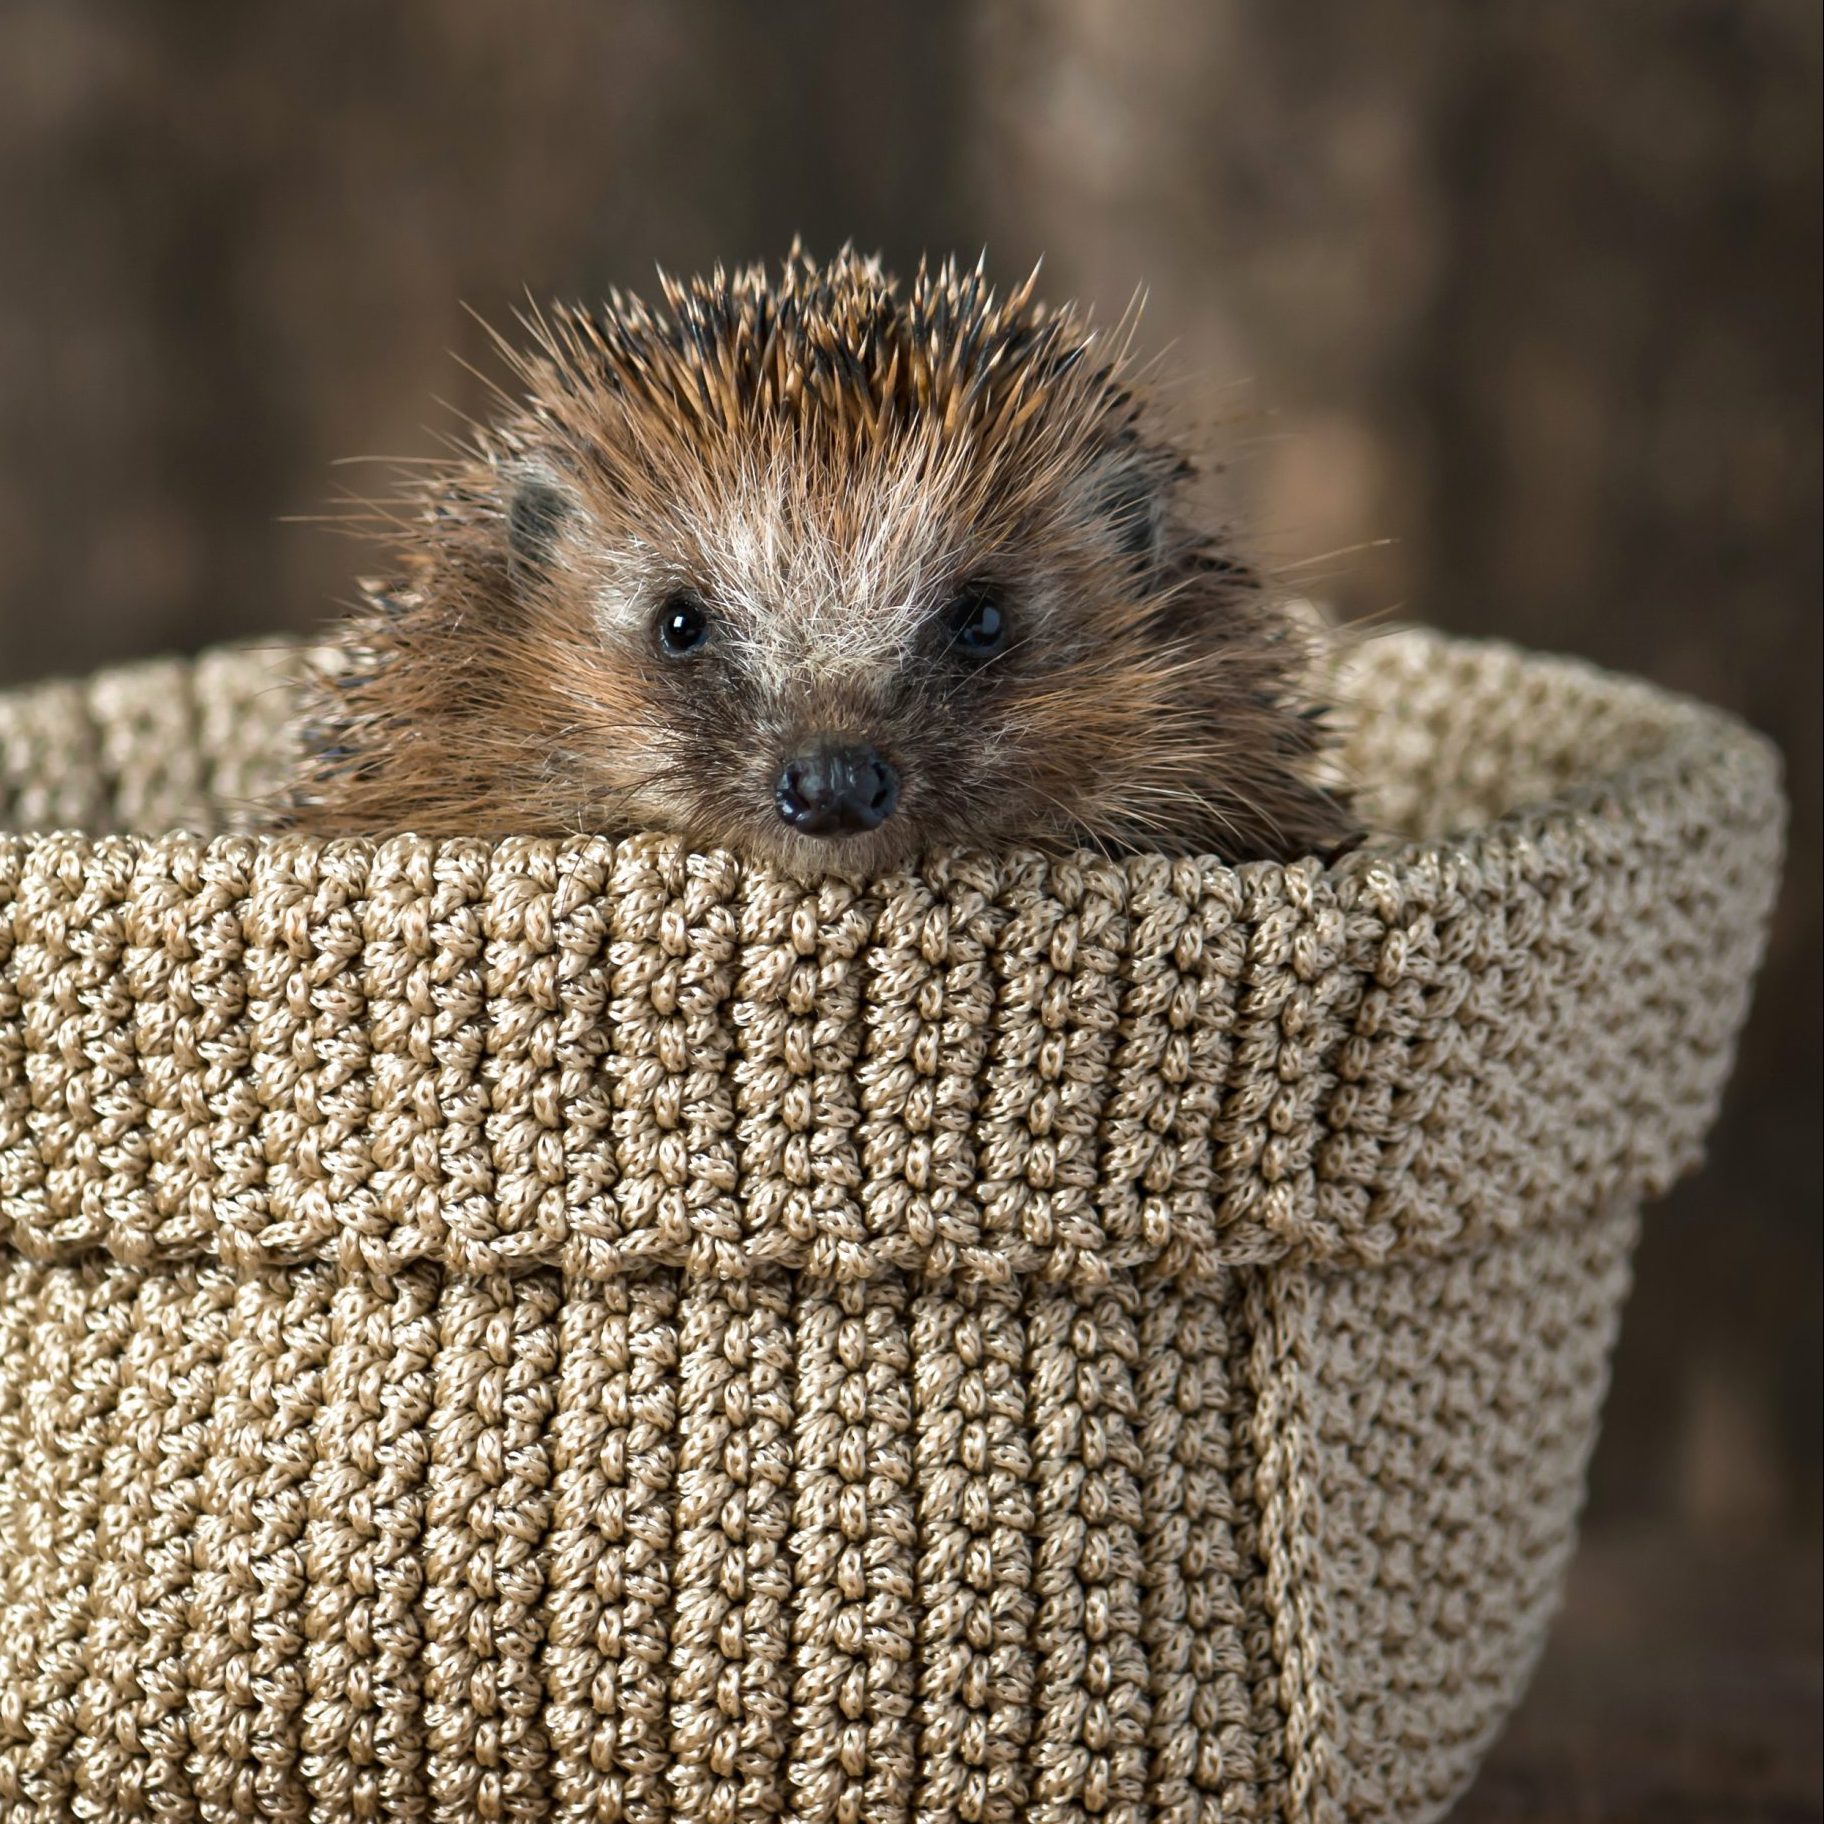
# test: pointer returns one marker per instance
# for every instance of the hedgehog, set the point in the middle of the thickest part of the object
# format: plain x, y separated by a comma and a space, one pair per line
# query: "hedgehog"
827, 572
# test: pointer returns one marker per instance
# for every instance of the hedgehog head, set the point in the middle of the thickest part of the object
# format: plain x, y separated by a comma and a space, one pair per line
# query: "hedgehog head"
806, 566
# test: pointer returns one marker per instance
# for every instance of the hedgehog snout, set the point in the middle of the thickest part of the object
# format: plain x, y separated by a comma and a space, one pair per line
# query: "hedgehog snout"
834, 788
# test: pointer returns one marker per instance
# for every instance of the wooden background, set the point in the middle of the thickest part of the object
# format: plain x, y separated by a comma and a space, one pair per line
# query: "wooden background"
1504, 317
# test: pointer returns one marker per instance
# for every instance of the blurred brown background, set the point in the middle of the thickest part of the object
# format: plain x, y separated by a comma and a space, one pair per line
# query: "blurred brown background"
1529, 291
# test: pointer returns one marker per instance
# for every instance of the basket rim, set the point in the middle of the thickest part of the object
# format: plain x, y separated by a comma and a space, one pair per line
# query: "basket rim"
1379, 1027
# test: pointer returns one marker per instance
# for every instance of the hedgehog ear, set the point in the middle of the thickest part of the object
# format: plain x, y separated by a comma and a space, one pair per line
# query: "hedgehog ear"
537, 506
1129, 495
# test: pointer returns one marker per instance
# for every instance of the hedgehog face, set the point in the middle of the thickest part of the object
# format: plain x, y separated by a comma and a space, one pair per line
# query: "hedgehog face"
826, 575
839, 675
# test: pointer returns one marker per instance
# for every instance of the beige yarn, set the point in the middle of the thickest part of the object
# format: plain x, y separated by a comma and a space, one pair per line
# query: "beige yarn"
589, 1331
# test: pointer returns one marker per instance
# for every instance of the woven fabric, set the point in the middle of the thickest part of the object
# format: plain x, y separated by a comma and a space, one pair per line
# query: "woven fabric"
589, 1330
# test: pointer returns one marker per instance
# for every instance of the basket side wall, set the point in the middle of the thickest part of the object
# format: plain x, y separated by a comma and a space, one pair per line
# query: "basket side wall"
689, 1548
1454, 1405
645, 1548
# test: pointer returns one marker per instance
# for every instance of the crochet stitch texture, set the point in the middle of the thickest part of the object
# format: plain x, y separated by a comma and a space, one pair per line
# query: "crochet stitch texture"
590, 1331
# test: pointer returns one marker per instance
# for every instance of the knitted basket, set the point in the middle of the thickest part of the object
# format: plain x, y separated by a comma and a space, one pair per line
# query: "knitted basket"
590, 1330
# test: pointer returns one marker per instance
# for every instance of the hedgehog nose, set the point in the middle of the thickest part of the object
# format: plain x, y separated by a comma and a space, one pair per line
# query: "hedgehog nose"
836, 791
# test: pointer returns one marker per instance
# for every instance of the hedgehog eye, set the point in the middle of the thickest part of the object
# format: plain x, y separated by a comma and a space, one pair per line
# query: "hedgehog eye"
682, 625
978, 624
